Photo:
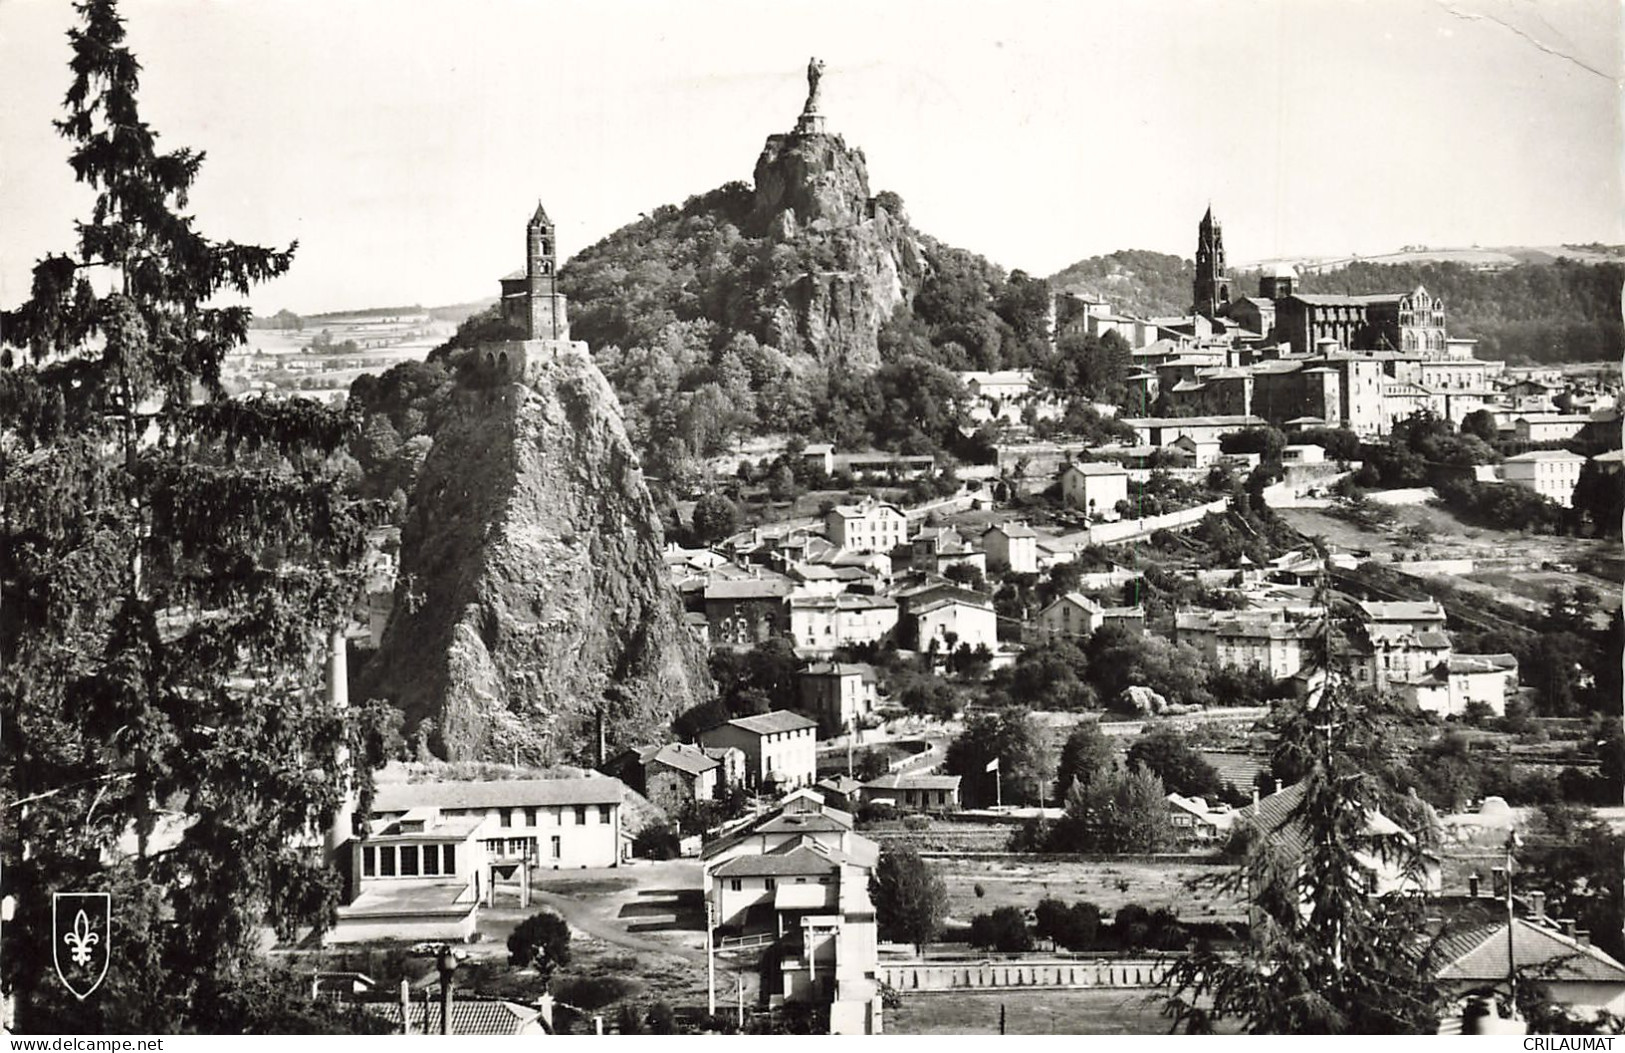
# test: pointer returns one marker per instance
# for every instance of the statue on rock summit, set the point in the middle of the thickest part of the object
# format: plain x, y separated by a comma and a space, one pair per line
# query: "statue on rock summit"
815, 73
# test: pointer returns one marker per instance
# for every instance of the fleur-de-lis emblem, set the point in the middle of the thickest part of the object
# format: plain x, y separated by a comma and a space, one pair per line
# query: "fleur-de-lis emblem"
82, 929
81, 939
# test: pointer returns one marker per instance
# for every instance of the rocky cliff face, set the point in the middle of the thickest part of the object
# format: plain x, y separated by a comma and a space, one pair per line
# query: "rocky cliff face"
532, 595
812, 192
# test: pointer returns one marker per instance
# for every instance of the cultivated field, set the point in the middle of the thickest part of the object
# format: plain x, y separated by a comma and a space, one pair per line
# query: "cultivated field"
1047, 1012
1190, 889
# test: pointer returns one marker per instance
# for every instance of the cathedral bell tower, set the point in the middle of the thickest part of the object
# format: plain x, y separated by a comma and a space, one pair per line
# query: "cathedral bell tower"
1212, 287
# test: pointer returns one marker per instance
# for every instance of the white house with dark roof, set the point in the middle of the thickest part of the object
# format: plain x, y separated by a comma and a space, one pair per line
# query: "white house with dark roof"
1398, 642
953, 621
1012, 547
1578, 976
1549, 473
547, 823
914, 793
1549, 427
801, 818
820, 624
874, 526
836, 694
1071, 616
780, 748
1462, 679
1276, 640
798, 877
1095, 487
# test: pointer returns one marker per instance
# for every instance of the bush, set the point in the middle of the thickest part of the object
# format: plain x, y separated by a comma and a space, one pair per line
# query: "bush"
1005, 929
1075, 927
656, 842
593, 992
661, 1020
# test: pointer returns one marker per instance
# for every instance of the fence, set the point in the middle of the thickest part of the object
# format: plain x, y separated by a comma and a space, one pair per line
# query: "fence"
960, 976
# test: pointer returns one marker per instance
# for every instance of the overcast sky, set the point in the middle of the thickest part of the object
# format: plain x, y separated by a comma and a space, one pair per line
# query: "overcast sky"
405, 143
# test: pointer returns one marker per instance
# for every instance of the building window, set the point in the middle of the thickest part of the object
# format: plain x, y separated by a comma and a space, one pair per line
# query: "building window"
431, 860
557, 846
369, 861
770, 883
448, 859
409, 861
530, 817
736, 885
506, 816
386, 861
581, 815
603, 814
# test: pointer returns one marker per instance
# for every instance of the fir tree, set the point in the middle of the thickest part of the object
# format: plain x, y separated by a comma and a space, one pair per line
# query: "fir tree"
1326, 953
174, 565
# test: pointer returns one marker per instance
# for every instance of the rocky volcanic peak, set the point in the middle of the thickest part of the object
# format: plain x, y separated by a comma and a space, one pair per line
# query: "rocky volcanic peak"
812, 192
532, 591
814, 177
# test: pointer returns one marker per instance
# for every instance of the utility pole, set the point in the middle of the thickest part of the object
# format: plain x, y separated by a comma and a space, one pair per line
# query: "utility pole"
446, 964
740, 977
710, 958
1512, 959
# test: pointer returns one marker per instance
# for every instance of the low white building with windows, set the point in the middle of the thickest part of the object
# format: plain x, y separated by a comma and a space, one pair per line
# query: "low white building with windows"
952, 622
821, 624
1461, 680
874, 526
549, 823
1549, 473
1094, 487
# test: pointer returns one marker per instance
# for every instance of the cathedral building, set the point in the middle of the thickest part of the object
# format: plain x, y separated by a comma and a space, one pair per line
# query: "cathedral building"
1360, 362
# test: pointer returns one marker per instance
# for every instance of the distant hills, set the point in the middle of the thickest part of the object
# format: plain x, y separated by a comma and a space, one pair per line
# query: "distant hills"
455, 313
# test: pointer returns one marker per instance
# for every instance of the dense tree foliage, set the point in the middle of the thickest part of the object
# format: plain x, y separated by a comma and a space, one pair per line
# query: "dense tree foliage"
1002, 929
910, 898
1085, 756
540, 942
1013, 738
1164, 752
1138, 283
1323, 955
174, 565
1124, 810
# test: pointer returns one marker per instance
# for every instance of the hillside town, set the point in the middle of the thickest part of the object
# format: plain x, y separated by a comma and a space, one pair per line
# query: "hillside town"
772, 620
